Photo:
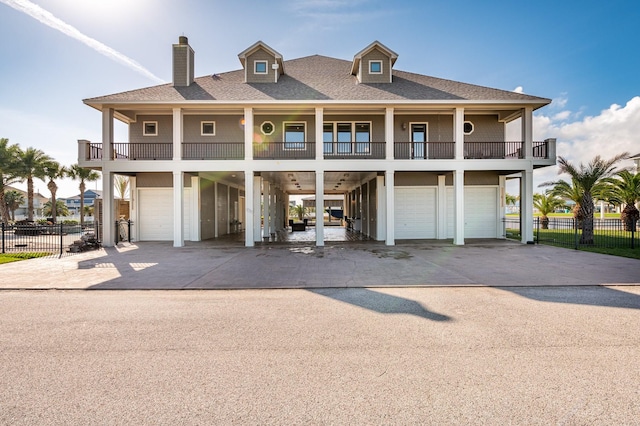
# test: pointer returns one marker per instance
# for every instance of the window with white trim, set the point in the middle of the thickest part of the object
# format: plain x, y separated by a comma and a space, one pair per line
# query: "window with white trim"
207, 128
150, 128
347, 138
260, 67
375, 67
294, 135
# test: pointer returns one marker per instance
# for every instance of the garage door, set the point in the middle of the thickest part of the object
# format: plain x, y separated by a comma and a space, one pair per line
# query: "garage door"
155, 216
415, 212
480, 212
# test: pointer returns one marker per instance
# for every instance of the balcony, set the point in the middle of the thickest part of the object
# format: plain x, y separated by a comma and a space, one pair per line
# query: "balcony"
284, 150
424, 150
213, 151
354, 150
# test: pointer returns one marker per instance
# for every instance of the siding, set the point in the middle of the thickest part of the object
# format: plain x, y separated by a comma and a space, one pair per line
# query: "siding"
375, 55
260, 55
165, 129
159, 180
228, 128
486, 128
440, 127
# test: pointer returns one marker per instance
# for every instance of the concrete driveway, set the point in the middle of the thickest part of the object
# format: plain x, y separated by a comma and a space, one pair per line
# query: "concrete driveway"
151, 265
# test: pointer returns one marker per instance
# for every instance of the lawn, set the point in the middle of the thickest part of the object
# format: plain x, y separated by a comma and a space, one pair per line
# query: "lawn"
14, 257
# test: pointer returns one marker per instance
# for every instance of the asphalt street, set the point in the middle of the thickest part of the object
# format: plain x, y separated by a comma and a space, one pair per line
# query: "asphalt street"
439, 355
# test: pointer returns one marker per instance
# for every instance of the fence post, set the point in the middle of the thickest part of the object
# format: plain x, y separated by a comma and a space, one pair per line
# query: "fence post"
575, 233
538, 230
2, 237
61, 238
633, 237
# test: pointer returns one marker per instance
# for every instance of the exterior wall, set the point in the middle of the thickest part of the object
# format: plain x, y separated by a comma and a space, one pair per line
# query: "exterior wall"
228, 128
481, 178
165, 129
278, 122
375, 55
207, 210
440, 127
260, 55
158, 180
419, 179
377, 123
486, 128
183, 64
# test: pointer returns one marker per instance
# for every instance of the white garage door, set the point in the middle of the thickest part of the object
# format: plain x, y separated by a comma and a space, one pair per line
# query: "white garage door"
155, 216
480, 212
415, 212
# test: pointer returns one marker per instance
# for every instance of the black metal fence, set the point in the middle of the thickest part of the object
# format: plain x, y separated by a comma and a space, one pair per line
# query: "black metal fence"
569, 232
53, 239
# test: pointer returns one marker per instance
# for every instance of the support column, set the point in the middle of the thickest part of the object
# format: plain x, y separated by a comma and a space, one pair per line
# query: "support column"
458, 132
178, 211
107, 134
319, 209
273, 205
195, 209
390, 207
248, 133
266, 198
108, 218
257, 198
381, 209
526, 206
133, 208
389, 135
527, 132
458, 189
442, 207
248, 206
177, 134
319, 133
502, 205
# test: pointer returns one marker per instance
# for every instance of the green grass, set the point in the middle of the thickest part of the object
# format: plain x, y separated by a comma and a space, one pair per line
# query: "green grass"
570, 215
14, 257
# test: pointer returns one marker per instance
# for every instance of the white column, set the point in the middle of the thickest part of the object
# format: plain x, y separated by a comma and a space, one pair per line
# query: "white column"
248, 133
390, 207
107, 134
257, 197
177, 134
108, 218
266, 198
442, 207
178, 211
249, 206
319, 209
458, 189
133, 208
381, 209
273, 205
195, 209
502, 206
458, 132
389, 135
526, 206
527, 132
319, 133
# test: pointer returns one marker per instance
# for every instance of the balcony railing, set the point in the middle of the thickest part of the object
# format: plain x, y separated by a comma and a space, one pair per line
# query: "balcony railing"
95, 152
213, 151
354, 150
143, 151
493, 150
541, 149
424, 150
284, 150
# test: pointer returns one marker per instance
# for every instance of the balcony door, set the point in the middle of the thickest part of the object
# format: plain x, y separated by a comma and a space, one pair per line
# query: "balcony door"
419, 147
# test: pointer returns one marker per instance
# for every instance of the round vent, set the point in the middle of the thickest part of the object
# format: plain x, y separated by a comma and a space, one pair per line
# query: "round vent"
267, 128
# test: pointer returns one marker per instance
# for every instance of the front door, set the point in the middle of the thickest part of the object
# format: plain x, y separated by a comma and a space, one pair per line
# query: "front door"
419, 148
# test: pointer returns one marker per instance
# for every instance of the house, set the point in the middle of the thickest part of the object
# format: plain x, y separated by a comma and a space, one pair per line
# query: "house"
39, 201
414, 156
73, 203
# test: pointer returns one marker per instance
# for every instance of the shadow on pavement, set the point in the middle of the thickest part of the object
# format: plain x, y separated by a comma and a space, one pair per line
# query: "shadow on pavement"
380, 302
579, 295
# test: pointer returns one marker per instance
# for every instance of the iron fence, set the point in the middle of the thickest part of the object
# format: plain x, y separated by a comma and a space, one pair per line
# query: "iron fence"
569, 232
53, 239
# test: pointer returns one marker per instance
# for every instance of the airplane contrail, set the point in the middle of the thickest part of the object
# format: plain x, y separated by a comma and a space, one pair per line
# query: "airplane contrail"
50, 20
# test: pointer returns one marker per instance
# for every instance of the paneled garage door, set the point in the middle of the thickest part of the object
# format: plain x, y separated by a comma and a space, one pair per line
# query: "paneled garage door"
155, 216
415, 212
480, 212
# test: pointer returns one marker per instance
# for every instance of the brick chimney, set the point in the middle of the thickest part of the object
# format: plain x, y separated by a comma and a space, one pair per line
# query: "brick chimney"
182, 63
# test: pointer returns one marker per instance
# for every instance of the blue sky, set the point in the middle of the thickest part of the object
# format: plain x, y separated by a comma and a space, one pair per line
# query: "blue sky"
582, 54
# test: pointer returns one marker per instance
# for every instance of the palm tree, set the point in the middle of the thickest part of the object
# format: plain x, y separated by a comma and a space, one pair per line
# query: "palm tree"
31, 165
53, 170
121, 184
83, 175
8, 163
13, 200
568, 192
589, 179
546, 203
625, 189
88, 210
61, 208
299, 210
511, 199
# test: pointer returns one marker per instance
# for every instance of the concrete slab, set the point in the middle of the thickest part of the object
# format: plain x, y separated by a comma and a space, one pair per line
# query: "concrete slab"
158, 265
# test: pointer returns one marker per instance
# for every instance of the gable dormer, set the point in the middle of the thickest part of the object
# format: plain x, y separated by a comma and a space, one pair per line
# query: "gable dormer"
374, 64
261, 64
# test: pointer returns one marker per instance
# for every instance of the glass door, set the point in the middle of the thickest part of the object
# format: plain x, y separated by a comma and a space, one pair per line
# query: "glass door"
419, 140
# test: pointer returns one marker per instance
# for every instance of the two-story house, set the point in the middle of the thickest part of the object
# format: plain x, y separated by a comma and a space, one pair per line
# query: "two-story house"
414, 156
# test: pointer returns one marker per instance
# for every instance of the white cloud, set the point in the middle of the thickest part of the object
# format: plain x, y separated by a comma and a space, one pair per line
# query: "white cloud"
50, 20
560, 102
519, 89
561, 116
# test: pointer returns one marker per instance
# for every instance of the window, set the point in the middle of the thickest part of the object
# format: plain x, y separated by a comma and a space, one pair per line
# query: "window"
327, 138
363, 138
375, 67
344, 138
267, 128
347, 138
207, 128
294, 136
150, 128
468, 127
260, 67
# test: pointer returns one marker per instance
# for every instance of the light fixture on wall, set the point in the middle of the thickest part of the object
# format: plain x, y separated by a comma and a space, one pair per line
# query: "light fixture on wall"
404, 126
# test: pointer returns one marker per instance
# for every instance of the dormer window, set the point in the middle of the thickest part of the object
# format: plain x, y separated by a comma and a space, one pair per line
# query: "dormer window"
375, 67
260, 67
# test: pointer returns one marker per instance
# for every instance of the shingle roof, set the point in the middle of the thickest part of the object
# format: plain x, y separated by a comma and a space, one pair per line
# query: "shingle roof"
317, 78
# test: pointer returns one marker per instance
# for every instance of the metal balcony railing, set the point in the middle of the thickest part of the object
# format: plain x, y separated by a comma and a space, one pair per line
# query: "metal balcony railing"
143, 151
541, 149
424, 150
213, 151
284, 150
493, 150
354, 150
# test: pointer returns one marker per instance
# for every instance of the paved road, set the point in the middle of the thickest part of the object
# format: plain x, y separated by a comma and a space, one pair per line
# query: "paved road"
510, 355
